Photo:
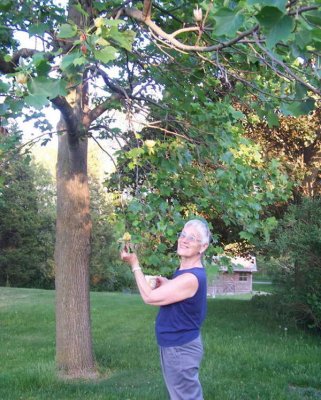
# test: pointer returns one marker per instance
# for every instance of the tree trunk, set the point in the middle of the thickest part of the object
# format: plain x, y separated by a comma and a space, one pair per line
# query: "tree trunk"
74, 354
312, 159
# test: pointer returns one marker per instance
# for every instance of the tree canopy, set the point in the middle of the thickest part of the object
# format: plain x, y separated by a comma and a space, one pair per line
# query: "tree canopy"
132, 56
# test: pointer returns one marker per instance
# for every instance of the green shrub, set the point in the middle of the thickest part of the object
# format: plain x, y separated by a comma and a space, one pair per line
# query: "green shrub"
295, 258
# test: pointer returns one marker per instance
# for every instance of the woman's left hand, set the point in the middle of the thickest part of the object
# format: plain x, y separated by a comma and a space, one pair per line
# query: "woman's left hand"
161, 280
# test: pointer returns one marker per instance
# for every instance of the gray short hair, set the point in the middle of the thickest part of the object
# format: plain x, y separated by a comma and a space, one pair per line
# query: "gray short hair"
202, 228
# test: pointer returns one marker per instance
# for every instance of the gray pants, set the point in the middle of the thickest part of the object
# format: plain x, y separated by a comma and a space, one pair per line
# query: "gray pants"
180, 365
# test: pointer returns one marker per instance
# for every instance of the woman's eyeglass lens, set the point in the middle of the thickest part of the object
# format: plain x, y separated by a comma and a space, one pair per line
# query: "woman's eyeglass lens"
190, 238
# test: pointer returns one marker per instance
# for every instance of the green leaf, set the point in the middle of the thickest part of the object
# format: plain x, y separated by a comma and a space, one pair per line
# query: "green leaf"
47, 87
123, 39
79, 8
113, 22
316, 35
236, 114
135, 207
153, 260
268, 226
227, 157
67, 31
4, 87
314, 17
5, 5
298, 108
36, 101
303, 38
37, 29
268, 17
15, 105
280, 4
106, 54
280, 31
69, 59
3, 109
79, 61
272, 119
38, 58
101, 6
41, 63
227, 22
135, 152
300, 91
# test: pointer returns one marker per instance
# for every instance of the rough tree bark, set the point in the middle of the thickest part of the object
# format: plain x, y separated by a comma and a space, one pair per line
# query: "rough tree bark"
74, 354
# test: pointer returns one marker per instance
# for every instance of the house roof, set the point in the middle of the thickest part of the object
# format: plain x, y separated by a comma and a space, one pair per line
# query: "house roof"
239, 264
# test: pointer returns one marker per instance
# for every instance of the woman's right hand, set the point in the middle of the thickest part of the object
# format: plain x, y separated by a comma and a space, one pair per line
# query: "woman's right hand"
129, 258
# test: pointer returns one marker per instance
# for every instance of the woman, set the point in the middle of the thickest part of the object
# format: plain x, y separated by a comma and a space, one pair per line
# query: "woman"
182, 302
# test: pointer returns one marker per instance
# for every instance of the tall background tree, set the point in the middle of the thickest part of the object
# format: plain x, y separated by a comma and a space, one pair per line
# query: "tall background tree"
27, 215
296, 141
184, 68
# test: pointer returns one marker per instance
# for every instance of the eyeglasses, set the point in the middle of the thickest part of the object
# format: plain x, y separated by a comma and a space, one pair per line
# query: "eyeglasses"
190, 238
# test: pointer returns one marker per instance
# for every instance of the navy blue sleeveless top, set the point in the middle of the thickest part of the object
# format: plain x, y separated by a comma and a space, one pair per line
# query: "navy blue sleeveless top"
180, 323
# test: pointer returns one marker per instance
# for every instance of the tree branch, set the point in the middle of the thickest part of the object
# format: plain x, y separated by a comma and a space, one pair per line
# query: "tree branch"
303, 9
153, 126
7, 67
170, 40
105, 151
101, 108
118, 93
288, 71
237, 77
147, 9
183, 30
115, 88
138, 16
67, 112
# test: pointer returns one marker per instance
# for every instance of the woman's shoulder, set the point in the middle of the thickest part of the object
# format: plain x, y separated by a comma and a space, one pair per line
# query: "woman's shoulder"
198, 271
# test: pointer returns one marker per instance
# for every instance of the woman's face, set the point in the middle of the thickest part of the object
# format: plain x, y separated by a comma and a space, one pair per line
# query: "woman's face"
190, 242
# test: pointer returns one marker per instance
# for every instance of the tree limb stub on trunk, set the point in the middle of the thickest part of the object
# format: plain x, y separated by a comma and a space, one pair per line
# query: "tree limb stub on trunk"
68, 114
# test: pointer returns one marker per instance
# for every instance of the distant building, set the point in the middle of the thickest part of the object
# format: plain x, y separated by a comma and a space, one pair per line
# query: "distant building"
237, 281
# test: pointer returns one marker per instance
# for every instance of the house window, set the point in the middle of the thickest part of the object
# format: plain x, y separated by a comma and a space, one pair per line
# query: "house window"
243, 276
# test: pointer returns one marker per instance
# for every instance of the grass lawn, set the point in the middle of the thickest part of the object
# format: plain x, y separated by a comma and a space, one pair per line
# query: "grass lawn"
247, 356
263, 287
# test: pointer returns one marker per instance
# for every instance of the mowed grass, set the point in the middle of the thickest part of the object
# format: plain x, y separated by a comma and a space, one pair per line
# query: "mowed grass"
247, 355
263, 287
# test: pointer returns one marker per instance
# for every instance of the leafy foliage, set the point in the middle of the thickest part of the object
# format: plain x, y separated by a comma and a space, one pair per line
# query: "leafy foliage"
27, 225
218, 174
296, 261
223, 177
106, 271
209, 169
297, 144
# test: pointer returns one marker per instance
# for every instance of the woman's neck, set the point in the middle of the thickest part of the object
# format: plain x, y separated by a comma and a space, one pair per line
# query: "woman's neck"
193, 262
